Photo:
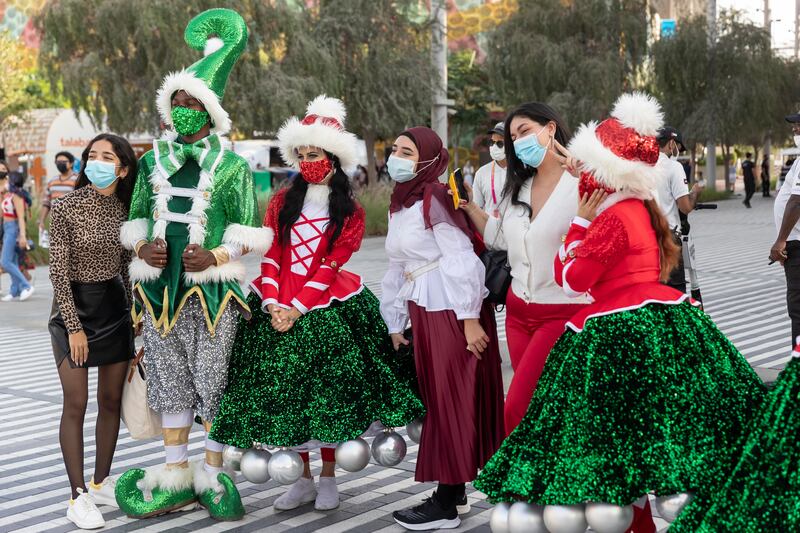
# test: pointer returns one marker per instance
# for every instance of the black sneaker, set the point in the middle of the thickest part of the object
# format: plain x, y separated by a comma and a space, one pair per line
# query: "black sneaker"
462, 506
428, 515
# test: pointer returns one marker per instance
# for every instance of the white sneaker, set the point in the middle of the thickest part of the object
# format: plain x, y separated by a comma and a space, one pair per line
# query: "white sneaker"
8, 298
327, 494
84, 513
300, 493
26, 293
103, 494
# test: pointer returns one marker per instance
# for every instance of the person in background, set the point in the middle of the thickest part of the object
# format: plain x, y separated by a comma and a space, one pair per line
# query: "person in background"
673, 194
749, 179
58, 186
765, 176
469, 172
15, 204
786, 248
90, 323
491, 177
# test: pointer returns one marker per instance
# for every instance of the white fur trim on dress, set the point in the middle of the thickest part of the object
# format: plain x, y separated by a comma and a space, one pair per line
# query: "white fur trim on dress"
204, 480
639, 111
133, 231
187, 81
341, 143
635, 177
139, 270
170, 479
318, 194
232, 271
257, 240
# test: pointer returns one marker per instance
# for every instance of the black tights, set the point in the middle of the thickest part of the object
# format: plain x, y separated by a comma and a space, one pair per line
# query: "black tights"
449, 495
75, 386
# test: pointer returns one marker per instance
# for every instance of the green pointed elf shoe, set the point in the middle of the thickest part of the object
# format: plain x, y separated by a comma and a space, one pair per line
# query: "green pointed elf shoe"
144, 493
218, 494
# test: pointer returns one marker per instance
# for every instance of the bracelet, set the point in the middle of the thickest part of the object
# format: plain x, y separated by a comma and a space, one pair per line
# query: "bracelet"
221, 255
139, 246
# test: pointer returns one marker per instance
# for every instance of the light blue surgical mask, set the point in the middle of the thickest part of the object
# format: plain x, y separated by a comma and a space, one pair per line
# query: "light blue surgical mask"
529, 150
400, 170
101, 174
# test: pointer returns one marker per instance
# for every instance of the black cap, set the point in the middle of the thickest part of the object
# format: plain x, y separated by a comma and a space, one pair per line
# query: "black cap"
499, 128
669, 133
793, 118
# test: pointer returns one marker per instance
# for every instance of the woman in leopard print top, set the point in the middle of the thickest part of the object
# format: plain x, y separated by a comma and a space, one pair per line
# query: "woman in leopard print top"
90, 323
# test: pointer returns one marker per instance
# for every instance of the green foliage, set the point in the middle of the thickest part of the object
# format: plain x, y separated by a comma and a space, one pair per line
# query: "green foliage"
710, 195
577, 57
375, 201
470, 87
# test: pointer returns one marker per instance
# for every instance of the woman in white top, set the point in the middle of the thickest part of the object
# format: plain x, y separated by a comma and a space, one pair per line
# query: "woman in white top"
537, 206
436, 280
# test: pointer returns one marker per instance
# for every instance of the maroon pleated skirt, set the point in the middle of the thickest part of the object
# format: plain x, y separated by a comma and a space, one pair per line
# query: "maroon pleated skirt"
463, 396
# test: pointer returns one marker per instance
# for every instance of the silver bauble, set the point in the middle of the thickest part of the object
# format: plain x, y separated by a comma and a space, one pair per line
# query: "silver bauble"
254, 465
414, 430
526, 518
565, 518
232, 457
498, 520
669, 507
608, 518
286, 466
388, 448
353, 455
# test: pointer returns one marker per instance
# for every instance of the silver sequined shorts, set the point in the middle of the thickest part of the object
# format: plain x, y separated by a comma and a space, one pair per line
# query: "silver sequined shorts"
188, 369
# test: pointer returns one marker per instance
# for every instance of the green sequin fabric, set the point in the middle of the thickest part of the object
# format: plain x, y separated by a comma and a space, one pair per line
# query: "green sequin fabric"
649, 400
763, 493
328, 378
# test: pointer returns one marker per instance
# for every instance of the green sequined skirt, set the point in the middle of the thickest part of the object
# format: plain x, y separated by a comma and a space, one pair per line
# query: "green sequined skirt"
763, 493
649, 400
327, 379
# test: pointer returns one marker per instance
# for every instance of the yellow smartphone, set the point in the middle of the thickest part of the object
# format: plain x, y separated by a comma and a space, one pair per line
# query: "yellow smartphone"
456, 184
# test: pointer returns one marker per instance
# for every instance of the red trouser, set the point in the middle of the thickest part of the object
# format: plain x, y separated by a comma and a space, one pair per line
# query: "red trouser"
532, 329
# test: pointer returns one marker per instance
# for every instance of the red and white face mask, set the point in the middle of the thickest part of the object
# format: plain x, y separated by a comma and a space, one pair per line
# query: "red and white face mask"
316, 171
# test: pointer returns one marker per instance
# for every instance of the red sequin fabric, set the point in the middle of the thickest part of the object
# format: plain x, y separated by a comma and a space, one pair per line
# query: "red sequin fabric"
606, 240
627, 143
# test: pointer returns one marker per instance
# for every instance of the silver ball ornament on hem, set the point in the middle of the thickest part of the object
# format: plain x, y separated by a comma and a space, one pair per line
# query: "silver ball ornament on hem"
414, 430
498, 520
609, 518
353, 455
286, 466
526, 518
232, 457
255, 465
669, 507
388, 449
565, 518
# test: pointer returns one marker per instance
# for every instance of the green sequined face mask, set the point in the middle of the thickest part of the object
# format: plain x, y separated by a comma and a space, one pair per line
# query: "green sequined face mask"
188, 121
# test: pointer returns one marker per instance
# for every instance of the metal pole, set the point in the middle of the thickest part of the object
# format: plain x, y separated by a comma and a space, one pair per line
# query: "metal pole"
711, 147
768, 28
439, 60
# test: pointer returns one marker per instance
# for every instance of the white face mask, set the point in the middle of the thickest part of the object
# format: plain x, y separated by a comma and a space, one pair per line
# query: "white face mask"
797, 140
497, 153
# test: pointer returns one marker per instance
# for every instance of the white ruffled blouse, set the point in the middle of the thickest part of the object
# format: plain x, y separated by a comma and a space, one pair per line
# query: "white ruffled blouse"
435, 268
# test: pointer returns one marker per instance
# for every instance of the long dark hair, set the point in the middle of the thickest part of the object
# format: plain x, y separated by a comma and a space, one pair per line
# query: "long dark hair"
127, 158
16, 181
341, 203
517, 172
668, 251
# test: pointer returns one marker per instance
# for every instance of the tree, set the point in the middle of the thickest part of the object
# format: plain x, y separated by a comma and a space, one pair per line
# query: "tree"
382, 66
468, 85
577, 55
111, 57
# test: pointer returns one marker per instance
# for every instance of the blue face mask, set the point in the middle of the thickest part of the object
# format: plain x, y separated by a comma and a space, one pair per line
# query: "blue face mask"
529, 150
400, 170
101, 174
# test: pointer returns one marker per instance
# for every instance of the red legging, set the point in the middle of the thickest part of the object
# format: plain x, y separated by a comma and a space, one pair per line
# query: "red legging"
328, 455
532, 329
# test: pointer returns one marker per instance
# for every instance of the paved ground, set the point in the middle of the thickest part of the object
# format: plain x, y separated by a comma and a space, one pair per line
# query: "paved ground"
743, 295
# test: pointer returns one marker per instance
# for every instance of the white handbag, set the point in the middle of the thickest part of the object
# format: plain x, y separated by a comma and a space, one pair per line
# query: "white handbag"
142, 422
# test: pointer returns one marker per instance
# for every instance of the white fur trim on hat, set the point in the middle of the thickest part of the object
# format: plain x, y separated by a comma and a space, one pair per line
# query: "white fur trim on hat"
639, 111
624, 175
187, 81
343, 144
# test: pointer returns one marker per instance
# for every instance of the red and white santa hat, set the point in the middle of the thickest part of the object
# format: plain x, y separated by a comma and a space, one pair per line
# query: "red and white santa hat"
323, 127
620, 153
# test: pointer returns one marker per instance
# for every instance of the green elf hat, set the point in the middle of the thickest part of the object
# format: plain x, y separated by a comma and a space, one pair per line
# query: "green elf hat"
221, 35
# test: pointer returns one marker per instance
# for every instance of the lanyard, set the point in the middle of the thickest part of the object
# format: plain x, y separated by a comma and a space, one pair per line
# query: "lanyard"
494, 196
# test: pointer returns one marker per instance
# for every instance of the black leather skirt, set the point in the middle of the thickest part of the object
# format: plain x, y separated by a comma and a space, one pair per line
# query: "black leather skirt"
105, 316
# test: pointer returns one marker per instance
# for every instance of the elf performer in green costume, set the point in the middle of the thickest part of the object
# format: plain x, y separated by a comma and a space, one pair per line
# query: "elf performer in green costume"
192, 216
